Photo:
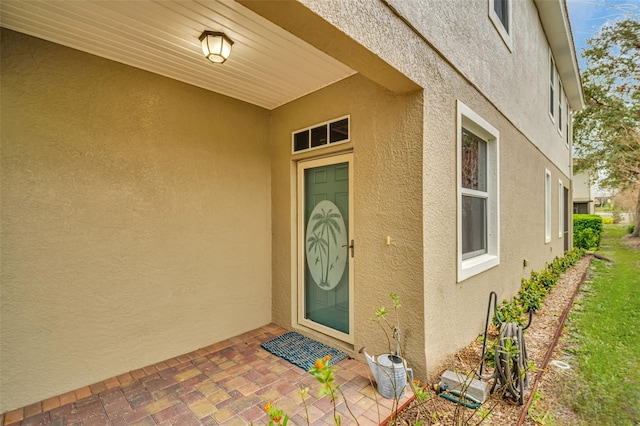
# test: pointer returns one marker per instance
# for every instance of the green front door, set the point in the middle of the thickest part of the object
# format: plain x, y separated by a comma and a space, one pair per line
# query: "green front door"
326, 245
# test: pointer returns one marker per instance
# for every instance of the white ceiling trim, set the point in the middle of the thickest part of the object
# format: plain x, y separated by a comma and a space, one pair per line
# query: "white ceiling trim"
268, 66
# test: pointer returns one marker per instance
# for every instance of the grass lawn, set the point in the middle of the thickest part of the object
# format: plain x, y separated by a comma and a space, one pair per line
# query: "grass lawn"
606, 334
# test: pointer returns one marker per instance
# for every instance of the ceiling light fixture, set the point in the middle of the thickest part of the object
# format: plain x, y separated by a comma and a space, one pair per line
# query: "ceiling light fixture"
216, 46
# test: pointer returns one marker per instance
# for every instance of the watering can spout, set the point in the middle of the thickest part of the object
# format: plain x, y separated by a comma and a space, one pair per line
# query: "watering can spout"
373, 366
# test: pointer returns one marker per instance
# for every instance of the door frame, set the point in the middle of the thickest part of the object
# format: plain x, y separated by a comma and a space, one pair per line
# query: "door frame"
301, 166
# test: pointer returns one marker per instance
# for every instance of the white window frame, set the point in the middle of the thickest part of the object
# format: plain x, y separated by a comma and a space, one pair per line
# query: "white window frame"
505, 34
326, 124
560, 105
547, 206
471, 121
551, 101
560, 209
567, 125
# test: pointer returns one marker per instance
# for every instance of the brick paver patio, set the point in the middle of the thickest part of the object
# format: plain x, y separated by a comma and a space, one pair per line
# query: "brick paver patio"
227, 383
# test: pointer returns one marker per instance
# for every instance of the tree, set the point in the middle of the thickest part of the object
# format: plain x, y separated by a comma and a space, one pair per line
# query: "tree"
606, 132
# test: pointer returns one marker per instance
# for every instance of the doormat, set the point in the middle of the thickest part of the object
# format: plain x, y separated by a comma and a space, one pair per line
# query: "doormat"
302, 351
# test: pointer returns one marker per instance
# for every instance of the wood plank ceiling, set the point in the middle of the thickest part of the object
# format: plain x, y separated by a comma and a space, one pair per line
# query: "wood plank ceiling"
268, 66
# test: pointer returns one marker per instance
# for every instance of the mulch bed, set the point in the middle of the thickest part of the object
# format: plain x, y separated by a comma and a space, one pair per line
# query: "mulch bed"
538, 337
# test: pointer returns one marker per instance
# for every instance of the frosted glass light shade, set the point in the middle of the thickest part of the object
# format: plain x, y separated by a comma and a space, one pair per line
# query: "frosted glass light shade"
216, 46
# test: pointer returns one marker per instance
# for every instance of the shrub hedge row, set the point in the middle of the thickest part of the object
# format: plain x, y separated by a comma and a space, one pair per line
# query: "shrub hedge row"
534, 290
587, 229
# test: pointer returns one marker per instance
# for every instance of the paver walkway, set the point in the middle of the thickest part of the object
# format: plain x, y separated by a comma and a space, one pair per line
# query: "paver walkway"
227, 383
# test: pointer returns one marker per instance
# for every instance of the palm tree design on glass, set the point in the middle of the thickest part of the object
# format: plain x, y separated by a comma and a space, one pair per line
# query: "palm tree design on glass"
325, 238
316, 243
326, 221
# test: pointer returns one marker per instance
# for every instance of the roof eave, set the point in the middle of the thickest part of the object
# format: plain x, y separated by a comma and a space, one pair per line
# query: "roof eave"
555, 22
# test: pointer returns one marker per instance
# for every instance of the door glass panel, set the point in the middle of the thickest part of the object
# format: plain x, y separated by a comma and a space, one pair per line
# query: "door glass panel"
326, 236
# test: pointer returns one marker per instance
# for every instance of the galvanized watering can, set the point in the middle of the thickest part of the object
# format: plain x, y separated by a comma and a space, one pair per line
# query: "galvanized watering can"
390, 373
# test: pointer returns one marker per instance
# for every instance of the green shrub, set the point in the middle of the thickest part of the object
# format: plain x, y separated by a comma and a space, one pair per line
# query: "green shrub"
549, 277
631, 228
531, 295
534, 290
607, 220
586, 238
581, 221
587, 229
509, 312
574, 255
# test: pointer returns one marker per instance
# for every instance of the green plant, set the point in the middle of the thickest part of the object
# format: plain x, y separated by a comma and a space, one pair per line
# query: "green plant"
587, 229
631, 228
607, 220
538, 412
325, 375
534, 290
276, 417
586, 238
508, 312
531, 295
574, 256
391, 329
606, 350
548, 278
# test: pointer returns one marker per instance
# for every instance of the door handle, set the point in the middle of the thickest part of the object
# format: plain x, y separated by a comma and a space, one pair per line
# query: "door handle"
351, 246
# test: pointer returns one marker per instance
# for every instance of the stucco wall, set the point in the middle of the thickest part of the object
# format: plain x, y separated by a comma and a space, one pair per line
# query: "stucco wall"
454, 313
386, 142
136, 219
582, 188
516, 80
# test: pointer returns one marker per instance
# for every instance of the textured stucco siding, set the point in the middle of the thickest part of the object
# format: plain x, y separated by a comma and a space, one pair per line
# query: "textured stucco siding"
386, 141
135, 219
516, 80
582, 187
454, 313
136, 227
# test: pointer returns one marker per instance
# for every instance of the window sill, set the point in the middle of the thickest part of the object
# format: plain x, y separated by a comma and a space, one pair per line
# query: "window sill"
476, 265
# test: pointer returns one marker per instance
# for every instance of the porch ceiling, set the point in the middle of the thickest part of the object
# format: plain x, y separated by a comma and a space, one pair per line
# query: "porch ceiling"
268, 66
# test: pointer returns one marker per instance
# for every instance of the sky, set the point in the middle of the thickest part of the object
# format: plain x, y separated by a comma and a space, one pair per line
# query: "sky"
588, 16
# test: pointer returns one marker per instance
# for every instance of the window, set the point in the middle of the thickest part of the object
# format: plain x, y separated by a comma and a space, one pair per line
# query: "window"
580, 208
547, 206
567, 134
478, 197
560, 97
500, 15
330, 132
501, 9
560, 209
552, 86
474, 195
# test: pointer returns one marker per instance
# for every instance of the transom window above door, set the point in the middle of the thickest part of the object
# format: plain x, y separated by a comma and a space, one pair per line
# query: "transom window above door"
332, 132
